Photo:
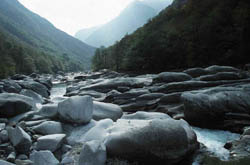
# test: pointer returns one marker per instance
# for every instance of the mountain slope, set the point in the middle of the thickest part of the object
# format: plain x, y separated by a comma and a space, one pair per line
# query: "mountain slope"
37, 33
188, 33
158, 5
131, 18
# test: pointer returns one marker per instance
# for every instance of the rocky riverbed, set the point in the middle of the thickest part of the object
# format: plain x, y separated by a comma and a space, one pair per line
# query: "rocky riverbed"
197, 116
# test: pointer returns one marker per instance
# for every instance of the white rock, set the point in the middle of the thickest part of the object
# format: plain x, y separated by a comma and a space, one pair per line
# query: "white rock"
93, 153
50, 142
76, 109
43, 158
140, 115
48, 127
106, 111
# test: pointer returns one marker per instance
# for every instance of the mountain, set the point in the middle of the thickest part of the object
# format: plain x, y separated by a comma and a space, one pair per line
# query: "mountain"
158, 5
188, 33
132, 17
27, 30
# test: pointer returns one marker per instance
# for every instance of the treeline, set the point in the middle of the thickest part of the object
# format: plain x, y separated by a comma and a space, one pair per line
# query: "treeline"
197, 33
17, 57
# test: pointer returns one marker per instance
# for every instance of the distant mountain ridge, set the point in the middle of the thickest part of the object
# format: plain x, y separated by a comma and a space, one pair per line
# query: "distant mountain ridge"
35, 32
135, 15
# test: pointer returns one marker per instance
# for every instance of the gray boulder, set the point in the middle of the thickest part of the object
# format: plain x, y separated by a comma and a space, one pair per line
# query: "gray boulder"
166, 141
11, 86
36, 87
76, 109
36, 97
20, 139
221, 76
50, 142
168, 77
49, 110
2, 162
196, 72
106, 110
43, 158
93, 153
48, 128
145, 116
221, 108
215, 69
14, 104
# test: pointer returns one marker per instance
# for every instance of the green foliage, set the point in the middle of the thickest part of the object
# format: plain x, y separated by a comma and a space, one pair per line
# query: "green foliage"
197, 33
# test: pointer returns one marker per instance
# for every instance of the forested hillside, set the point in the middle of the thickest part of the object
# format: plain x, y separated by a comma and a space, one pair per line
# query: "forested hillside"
30, 43
189, 33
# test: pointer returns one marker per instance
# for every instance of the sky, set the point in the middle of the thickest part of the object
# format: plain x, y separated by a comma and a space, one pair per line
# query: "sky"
73, 15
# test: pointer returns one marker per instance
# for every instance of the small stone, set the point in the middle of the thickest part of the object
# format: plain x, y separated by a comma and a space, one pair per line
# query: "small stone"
11, 158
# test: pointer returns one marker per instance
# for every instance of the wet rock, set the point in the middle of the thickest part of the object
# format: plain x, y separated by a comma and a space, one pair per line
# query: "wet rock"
22, 157
19, 77
50, 142
20, 139
215, 69
221, 76
168, 77
43, 158
4, 136
240, 148
76, 109
11, 157
14, 104
106, 110
11, 86
93, 153
48, 128
196, 72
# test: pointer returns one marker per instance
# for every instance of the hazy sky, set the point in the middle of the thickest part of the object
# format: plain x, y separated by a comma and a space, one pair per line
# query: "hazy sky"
73, 15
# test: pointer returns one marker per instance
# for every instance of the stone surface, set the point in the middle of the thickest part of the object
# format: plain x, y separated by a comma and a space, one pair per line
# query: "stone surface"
93, 153
36, 97
106, 110
76, 109
49, 110
145, 116
48, 127
2, 162
20, 139
50, 142
43, 158
14, 104
167, 77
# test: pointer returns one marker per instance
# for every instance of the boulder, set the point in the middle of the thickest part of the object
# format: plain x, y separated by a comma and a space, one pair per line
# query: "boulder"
93, 153
50, 142
221, 76
11, 86
14, 104
160, 141
49, 110
220, 107
145, 116
106, 110
168, 77
43, 158
196, 72
76, 109
20, 139
36, 87
215, 69
76, 134
36, 97
48, 128
19, 77
2, 162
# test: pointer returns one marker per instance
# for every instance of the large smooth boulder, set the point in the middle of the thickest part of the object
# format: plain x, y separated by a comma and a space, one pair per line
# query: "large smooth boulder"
76, 109
14, 104
50, 142
20, 139
43, 158
168, 77
220, 107
106, 110
36, 87
196, 72
93, 153
163, 141
11, 86
48, 128
221, 76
